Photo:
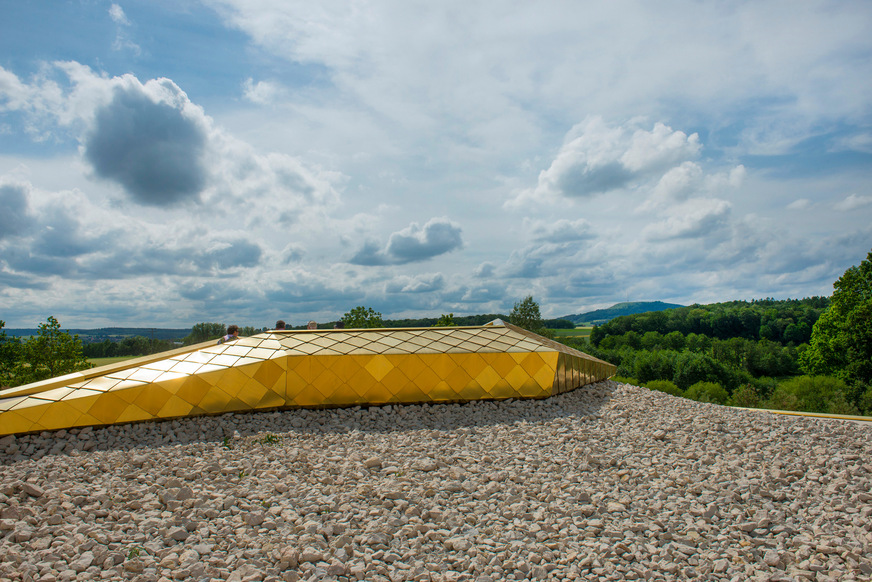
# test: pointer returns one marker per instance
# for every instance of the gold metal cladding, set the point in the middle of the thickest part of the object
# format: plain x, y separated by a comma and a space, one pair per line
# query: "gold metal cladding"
306, 369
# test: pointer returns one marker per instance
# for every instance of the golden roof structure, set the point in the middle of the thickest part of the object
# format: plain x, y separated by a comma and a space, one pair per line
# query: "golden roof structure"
306, 369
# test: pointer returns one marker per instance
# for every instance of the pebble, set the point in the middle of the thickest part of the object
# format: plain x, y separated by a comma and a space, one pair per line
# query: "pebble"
610, 482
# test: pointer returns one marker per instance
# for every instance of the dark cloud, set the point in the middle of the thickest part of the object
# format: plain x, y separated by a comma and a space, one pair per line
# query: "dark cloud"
190, 261
422, 284
16, 281
293, 254
240, 253
214, 292
114, 258
485, 270
62, 237
563, 231
15, 218
585, 180
474, 295
23, 260
152, 149
538, 260
413, 244
527, 267
369, 256
315, 296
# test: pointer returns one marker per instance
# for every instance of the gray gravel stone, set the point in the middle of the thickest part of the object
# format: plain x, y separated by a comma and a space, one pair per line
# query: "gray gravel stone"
610, 482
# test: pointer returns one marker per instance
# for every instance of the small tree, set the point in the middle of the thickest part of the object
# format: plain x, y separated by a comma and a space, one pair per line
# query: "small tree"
525, 314
10, 353
361, 317
203, 332
49, 354
445, 321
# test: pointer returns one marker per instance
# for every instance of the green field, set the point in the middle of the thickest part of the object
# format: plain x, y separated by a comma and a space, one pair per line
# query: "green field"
578, 332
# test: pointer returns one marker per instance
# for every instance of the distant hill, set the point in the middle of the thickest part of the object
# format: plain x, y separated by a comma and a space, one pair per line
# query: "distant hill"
110, 333
601, 316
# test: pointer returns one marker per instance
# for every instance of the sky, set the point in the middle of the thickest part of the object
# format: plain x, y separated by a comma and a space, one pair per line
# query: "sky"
164, 163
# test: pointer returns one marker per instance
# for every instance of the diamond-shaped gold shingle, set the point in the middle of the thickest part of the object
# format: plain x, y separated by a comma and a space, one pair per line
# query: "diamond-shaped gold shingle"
321, 368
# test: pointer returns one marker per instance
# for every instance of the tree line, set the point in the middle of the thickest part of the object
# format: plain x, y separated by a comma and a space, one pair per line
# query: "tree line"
786, 322
50, 353
812, 354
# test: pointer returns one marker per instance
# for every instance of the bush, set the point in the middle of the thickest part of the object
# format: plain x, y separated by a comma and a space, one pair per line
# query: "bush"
764, 386
664, 386
782, 400
745, 396
707, 392
865, 402
840, 405
823, 394
625, 380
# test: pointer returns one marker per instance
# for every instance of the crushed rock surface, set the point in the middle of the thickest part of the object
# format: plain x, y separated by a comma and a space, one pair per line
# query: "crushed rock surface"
609, 482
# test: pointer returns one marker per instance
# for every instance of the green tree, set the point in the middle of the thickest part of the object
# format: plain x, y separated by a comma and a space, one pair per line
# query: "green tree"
134, 346
203, 332
674, 340
691, 368
361, 317
445, 321
525, 314
656, 365
651, 340
841, 339
49, 354
10, 353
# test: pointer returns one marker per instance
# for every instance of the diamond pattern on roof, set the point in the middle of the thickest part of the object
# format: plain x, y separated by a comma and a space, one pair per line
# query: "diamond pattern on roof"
324, 368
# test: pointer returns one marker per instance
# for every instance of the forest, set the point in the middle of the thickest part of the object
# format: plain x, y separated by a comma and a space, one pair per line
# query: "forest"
812, 354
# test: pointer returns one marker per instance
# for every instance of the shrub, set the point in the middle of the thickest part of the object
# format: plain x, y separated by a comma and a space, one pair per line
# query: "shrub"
764, 386
664, 386
745, 396
813, 394
625, 380
839, 404
782, 400
865, 402
707, 392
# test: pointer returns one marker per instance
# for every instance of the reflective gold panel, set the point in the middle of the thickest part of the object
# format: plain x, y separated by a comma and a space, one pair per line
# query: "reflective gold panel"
312, 368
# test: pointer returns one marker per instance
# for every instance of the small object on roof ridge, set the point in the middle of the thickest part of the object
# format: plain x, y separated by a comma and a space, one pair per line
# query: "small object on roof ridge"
496, 323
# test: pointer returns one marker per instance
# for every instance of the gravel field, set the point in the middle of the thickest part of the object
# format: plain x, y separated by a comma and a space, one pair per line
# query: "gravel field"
610, 482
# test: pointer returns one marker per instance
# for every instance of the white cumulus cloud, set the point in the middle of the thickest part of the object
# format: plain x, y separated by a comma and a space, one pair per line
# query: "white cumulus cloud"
853, 202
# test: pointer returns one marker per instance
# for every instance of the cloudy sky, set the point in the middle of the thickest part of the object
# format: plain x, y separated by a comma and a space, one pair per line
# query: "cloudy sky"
166, 162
